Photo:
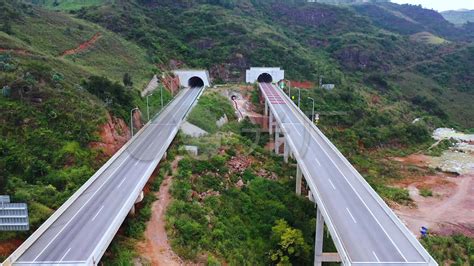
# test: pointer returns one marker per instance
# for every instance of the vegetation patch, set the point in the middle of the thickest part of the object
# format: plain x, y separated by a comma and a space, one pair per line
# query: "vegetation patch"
454, 250
210, 108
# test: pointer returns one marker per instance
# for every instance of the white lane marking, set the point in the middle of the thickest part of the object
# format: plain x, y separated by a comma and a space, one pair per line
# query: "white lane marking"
162, 117
353, 219
65, 254
355, 191
375, 255
317, 161
90, 198
83, 205
121, 182
296, 130
136, 163
95, 216
334, 187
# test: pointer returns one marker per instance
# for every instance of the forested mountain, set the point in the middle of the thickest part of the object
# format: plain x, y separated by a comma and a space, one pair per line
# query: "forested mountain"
459, 17
400, 46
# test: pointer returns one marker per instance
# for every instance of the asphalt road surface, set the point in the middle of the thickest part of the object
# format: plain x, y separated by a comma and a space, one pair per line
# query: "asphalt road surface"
74, 235
367, 232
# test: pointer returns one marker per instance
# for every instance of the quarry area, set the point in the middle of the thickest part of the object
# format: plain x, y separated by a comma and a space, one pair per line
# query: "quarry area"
443, 199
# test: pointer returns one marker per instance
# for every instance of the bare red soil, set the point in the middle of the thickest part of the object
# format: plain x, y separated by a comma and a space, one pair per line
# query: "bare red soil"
83, 46
302, 84
155, 248
7, 247
171, 83
113, 134
451, 208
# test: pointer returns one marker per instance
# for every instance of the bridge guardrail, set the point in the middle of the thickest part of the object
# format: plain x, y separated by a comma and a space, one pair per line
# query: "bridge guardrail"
38, 232
320, 204
410, 237
115, 226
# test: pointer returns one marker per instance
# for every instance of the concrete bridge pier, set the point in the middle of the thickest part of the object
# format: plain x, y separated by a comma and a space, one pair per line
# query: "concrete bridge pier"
271, 123
139, 199
266, 109
286, 152
279, 141
310, 196
318, 242
319, 255
299, 177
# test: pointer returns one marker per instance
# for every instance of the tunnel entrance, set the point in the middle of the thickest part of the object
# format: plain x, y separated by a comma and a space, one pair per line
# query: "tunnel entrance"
195, 82
265, 78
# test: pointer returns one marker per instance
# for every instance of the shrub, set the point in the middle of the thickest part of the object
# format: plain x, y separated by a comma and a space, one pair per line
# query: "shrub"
426, 192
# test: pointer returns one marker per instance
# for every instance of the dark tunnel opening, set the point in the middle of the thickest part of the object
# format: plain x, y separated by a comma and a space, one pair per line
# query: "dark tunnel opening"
265, 78
195, 82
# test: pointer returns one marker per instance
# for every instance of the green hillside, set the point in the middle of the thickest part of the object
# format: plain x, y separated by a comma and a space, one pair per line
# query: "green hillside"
49, 116
346, 45
62, 68
69, 4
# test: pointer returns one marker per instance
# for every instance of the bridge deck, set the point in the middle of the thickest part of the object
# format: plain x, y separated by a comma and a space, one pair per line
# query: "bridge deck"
362, 225
98, 212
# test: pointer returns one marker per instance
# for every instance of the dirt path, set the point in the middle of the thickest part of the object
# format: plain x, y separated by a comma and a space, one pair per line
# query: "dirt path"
83, 46
155, 249
451, 208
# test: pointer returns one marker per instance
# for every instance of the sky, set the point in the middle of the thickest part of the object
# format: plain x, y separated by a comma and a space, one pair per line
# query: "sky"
440, 5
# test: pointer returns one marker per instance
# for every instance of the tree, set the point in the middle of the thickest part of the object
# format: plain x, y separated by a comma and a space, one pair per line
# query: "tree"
289, 244
127, 80
7, 27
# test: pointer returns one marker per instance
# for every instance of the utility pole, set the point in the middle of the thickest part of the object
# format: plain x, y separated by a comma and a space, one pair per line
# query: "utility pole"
299, 97
131, 120
312, 114
148, 106
161, 95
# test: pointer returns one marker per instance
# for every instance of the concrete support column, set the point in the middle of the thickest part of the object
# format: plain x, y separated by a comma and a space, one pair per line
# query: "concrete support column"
270, 123
140, 197
286, 152
318, 243
277, 140
266, 108
299, 177
310, 195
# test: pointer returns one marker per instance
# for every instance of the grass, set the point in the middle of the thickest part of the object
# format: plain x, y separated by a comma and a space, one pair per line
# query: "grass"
210, 108
450, 250
65, 118
67, 5
428, 38
111, 55
235, 224
426, 192
442, 146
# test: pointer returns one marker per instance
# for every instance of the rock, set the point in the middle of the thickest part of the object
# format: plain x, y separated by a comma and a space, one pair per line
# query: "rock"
192, 130
222, 121
240, 183
113, 134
